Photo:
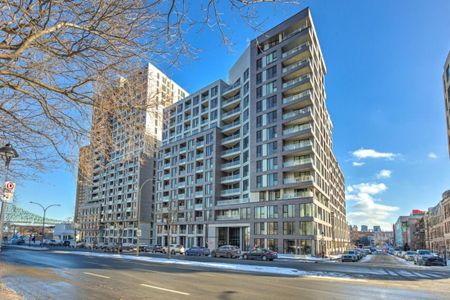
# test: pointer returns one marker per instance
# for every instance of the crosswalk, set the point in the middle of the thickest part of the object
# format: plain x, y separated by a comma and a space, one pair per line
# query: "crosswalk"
414, 274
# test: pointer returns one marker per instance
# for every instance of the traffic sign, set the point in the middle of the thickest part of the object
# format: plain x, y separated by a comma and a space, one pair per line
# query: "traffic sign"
8, 191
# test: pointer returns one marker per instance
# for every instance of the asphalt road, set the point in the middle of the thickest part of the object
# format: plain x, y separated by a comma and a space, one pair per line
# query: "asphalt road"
47, 275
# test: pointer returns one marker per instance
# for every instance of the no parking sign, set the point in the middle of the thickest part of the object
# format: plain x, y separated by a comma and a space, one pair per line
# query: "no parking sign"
8, 191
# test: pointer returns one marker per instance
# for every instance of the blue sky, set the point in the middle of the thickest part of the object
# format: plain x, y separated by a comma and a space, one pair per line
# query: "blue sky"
384, 93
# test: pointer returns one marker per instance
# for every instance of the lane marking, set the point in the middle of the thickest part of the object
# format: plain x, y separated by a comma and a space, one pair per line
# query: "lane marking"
163, 289
96, 275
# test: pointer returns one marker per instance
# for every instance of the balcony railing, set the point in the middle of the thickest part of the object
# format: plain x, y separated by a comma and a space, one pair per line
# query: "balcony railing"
231, 201
296, 129
235, 85
231, 164
296, 80
296, 49
301, 179
297, 112
295, 65
296, 146
230, 191
232, 150
231, 125
231, 177
224, 217
298, 195
297, 162
232, 99
230, 138
231, 112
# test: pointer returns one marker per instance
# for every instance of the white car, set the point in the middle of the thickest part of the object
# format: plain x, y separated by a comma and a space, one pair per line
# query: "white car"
175, 249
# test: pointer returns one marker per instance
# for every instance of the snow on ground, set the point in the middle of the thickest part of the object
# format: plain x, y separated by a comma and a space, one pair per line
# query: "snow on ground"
224, 266
29, 247
366, 258
309, 258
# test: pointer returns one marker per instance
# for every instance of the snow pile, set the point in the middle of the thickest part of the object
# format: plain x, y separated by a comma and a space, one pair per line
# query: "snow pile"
223, 266
29, 247
309, 258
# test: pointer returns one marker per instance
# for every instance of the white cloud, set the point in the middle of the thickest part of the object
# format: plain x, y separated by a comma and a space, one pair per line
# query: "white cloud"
365, 209
370, 153
432, 155
384, 174
358, 164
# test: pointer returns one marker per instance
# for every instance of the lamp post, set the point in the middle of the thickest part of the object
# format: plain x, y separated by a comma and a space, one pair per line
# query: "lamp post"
43, 219
7, 153
138, 212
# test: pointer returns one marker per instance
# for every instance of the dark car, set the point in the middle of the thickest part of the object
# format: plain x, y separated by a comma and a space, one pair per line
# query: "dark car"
197, 251
226, 251
157, 249
261, 254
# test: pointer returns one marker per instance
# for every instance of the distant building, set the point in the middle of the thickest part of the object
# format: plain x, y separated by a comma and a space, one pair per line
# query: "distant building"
405, 228
383, 238
64, 232
437, 226
364, 228
376, 228
446, 79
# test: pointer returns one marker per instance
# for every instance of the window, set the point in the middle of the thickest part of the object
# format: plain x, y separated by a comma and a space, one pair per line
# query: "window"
259, 152
213, 115
289, 211
271, 148
271, 72
214, 91
260, 212
270, 58
259, 92
272, 117
272, 163
271, 101
288, 228
259, 136
259, 78
258, 63
272, 179
306, 228
259, 228
271, 133
272, 212
306, 209
270, 88
259, 164
246, 74
258, 182
214, 103
272, 228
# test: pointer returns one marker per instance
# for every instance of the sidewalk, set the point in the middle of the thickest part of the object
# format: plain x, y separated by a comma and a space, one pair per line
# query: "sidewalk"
7, 294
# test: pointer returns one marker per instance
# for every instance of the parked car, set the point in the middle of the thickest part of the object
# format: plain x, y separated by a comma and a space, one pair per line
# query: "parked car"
17, 241
198, 251
226, 251
421, 256
432, 260
350, 255
261, 254
410, 255
52, 243
80, 244
175, 249
157, 249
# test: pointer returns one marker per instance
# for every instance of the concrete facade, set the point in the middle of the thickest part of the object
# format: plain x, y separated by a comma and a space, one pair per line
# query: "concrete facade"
121, 192
249, 162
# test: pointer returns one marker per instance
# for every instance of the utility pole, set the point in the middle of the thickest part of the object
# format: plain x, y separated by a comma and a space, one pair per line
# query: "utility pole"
7, 153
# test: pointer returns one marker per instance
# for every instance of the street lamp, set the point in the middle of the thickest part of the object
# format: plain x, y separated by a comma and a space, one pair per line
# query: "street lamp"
43, 219
7, 153
138, 217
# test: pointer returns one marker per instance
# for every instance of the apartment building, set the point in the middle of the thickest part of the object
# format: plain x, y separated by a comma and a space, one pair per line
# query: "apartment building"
121, 193
446, 79
437, 225
249, 161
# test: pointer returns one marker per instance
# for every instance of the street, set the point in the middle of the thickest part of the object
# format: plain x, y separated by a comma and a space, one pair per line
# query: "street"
50, 275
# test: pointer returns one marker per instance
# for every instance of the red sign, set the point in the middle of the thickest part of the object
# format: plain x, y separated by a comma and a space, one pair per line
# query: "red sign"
418, 212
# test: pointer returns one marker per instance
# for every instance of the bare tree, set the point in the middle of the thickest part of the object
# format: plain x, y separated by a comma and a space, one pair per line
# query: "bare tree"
61, 62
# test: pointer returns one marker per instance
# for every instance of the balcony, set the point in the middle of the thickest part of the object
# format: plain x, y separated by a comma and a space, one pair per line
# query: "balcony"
199, 156
299, 64
301, 179
298, 112
167, 176
226, 218
235, 99
297, 162
199, 169
231, 138
198, 194
182, 161
181, 184
181, 196
229, 192
230, 113
198, 206
296, 50
296, 146
231, 202
230, 152
183, 149
235, 124
300, 79
296, 129
294, 195
231, 165
231, 178
231, 87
